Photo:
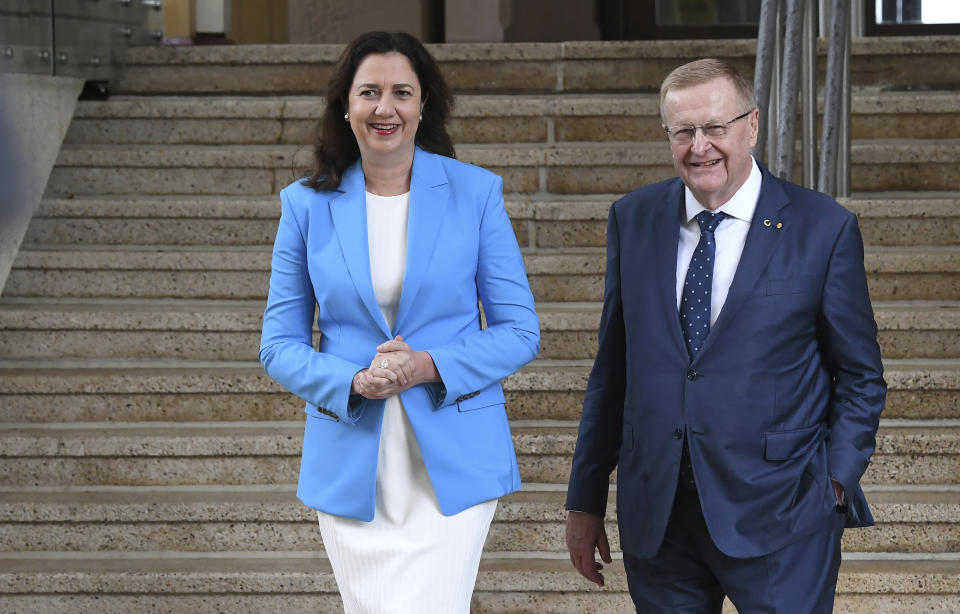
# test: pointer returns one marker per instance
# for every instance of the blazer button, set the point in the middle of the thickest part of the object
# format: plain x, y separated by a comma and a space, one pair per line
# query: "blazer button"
678, 434
692, 375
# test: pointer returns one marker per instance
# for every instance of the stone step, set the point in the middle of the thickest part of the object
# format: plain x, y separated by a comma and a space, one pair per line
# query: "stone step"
475, 119
125, 390
237, 272
906, 329
580, 66
198, 220
557, 223
230, 330
570, 168
893, 273
243, 453
883, 221
112, 583
267, 518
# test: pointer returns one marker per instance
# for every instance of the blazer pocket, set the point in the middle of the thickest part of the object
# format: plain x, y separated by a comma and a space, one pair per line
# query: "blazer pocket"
783, 445
796, 285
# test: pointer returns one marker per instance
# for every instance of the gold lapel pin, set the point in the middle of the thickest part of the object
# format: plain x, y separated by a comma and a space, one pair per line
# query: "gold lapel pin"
779, 224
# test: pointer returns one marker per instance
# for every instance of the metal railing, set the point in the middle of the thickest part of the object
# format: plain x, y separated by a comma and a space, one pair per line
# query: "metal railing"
789, 29
75, 38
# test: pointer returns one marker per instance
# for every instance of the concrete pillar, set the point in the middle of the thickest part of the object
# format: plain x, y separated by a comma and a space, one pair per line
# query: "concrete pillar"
469, 21
213, 16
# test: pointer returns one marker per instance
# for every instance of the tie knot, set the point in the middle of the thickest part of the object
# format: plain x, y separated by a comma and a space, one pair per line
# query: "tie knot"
709, 220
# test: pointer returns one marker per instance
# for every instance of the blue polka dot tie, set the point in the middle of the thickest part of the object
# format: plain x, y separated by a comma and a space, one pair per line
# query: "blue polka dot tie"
695, 299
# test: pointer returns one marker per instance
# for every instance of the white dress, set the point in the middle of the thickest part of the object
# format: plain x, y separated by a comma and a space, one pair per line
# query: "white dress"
410, 558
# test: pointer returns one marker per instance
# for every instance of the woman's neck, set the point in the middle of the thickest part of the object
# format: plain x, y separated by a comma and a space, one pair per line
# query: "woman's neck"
385, 178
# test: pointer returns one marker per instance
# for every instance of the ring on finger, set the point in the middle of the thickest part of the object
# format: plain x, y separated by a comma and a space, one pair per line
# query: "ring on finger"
384, 363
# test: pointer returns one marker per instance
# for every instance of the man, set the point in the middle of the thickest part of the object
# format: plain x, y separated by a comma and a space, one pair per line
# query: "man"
738, 382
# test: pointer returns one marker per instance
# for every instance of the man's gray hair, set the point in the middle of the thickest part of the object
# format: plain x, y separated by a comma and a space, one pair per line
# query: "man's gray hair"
702, 71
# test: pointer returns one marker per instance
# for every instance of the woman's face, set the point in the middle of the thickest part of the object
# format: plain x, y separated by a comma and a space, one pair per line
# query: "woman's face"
384, 102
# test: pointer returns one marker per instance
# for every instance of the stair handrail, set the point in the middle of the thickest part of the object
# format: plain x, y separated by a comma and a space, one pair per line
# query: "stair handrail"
790, 28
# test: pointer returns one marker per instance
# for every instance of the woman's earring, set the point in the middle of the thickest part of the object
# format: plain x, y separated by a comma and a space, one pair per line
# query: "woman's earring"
346, 116
420, 117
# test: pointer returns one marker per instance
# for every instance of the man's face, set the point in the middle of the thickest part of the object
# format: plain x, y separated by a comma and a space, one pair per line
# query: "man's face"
713, 167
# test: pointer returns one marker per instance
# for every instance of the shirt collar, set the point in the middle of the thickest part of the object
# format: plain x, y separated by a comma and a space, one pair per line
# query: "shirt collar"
741, 205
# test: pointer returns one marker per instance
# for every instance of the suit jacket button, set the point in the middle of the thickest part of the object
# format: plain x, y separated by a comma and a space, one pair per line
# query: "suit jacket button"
678, 434
692, 375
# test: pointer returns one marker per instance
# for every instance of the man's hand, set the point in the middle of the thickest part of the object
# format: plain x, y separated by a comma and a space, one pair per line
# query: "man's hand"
586, 533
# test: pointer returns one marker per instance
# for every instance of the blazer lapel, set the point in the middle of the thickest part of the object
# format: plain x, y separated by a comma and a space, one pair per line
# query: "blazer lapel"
429, 193
667, 235
761, 240
349, 213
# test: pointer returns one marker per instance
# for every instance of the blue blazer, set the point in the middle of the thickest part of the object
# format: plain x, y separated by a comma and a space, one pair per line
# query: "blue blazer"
460, 248
784, 395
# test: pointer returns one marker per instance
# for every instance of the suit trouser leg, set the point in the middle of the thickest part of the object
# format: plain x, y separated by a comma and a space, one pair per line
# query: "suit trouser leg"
800, 578
678, 579
690, 575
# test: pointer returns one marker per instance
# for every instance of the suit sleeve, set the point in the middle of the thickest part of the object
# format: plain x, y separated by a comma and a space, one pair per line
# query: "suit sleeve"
848, 334
601, 425
512, 337
286, 349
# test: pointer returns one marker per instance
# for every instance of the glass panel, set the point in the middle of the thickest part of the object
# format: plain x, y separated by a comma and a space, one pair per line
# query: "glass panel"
917, 11
26, 37
708, 12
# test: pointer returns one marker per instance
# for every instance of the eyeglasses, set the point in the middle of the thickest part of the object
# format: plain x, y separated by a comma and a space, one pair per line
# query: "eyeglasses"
682, 135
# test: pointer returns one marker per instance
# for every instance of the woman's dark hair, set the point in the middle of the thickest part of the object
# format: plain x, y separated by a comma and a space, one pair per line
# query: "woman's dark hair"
335, 147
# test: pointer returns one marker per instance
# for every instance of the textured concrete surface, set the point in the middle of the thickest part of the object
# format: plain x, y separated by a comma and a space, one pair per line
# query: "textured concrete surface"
305, 574
475, 119
35, 111
189, 391
265, 520
247, 453
572, 66
581, 168
194, 330
484, 602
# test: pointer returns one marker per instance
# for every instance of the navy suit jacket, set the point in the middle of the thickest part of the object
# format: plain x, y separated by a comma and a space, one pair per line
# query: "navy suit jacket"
784, 395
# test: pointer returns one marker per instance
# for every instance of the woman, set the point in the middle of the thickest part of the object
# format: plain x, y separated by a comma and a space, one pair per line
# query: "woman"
407, 444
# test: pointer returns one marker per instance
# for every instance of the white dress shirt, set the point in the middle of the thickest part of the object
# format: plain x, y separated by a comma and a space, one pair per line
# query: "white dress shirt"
730, 237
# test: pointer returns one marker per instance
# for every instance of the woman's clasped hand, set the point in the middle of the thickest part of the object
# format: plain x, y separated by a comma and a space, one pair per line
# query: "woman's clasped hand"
394, 368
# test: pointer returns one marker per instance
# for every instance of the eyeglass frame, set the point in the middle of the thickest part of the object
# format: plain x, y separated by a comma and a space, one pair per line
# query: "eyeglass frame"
671, 130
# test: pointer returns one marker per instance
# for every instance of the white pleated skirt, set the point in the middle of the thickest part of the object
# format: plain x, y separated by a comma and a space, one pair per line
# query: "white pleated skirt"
410, 558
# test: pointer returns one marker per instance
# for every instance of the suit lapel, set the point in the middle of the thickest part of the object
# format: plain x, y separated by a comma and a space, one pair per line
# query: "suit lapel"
429, 193
667, 236
760, 243
349, 213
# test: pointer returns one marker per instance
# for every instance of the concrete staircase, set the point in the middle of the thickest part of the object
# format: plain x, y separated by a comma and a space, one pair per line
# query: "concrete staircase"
147, 461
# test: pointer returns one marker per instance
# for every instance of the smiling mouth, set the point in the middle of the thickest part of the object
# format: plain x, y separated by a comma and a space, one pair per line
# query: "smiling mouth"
705, 164
385, 128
